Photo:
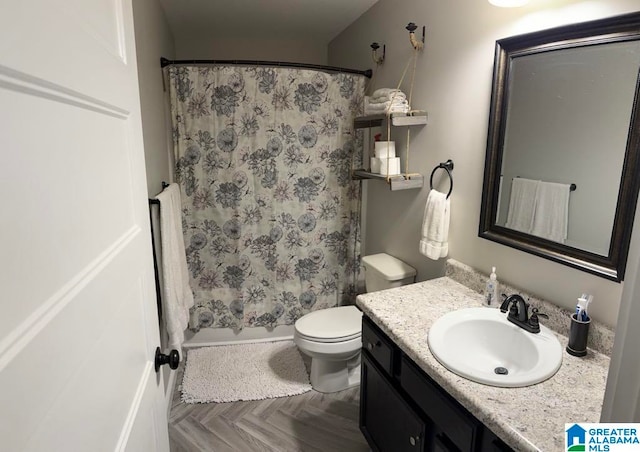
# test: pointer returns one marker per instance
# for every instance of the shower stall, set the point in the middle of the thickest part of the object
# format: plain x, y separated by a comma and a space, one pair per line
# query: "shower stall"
270, 213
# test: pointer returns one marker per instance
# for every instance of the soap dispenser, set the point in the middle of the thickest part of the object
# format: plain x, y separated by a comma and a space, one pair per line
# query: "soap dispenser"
491, 291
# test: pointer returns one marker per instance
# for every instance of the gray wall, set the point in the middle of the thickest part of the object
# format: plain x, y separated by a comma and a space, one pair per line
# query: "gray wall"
238, 48
153, 40
453, 83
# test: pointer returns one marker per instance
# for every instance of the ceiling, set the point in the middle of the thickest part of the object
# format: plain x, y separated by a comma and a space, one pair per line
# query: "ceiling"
320, 20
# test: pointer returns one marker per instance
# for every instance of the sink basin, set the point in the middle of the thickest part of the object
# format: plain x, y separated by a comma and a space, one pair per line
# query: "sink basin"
482, 345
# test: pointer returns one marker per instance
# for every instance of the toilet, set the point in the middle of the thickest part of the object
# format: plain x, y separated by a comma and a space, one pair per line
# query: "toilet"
332, 337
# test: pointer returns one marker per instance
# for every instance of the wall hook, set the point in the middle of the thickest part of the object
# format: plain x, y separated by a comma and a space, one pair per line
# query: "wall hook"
415, 43
376, 59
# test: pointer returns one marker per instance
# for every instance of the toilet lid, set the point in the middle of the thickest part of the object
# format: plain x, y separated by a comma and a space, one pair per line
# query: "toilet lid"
331, 325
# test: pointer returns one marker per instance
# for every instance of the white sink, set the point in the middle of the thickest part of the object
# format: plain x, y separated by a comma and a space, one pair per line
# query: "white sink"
480, 343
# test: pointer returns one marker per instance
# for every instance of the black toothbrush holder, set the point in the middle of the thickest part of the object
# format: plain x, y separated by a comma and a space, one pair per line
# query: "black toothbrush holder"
578, 336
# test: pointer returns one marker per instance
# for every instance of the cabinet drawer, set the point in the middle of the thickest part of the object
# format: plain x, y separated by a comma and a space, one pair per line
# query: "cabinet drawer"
378, 345
455, 422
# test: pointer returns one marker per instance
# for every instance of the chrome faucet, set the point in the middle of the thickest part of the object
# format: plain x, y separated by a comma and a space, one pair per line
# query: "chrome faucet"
519, 313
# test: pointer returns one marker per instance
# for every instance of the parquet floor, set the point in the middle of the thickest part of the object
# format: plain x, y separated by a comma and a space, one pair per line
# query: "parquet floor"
312, 422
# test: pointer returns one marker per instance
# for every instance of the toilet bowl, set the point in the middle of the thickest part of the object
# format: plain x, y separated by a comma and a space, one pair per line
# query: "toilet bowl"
332, 336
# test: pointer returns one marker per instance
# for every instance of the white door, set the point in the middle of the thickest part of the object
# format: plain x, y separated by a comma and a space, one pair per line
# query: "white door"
78, 321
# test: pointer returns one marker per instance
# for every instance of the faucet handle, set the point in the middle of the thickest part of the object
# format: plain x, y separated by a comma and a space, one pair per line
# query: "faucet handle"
536, 313
533, 320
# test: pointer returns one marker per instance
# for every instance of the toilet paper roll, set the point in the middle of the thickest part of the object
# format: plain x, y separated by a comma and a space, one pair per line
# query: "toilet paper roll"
375, 165
384, 149
379, 166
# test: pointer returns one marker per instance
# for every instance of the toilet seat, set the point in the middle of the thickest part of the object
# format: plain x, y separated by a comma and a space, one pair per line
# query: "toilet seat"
339, 324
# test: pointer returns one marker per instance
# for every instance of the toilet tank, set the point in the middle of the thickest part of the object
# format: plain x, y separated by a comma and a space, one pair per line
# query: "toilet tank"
383, 271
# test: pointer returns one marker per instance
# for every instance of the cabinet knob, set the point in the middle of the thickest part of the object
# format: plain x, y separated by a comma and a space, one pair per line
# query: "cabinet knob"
413, 440
371, 345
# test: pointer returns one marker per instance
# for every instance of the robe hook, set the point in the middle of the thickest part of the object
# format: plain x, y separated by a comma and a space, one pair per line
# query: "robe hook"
378, 59
415, 43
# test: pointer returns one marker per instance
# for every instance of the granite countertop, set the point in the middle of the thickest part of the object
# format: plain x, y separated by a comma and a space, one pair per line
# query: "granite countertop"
530, 418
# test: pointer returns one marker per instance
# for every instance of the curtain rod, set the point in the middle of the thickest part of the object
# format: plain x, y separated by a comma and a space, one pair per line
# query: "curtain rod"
368, 73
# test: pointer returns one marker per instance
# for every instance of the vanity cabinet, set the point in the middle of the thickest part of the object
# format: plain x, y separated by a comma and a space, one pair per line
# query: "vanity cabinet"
403, 409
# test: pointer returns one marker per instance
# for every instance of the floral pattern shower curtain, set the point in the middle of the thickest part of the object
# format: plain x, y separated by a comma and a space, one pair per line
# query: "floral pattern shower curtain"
271, 216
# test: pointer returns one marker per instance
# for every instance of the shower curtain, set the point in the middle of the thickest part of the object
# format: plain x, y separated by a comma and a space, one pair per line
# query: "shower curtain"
271, 217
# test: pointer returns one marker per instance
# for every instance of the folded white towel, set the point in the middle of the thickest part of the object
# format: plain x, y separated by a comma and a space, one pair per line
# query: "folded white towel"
399, 97
392, 109
395, 103
551, 217
522, 202
386, 105
177, 296
388, 92
435, 226
383, 100
377, 103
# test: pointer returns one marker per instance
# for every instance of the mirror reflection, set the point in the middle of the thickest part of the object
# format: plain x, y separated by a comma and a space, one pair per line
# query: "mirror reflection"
567, 123
562, 170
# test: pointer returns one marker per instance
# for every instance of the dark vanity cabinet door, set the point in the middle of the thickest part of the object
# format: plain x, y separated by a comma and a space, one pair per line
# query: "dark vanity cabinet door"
457, 429
403, 409
386, 420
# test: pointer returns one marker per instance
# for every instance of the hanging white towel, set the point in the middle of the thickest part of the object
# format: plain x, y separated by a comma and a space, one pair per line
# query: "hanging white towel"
435, 226
522, 202
551, 217
177, 296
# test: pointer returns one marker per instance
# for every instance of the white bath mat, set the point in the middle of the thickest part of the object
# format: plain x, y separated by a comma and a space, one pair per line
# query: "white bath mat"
229, 373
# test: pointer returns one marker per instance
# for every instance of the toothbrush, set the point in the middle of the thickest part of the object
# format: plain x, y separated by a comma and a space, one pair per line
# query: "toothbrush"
581, 308
585, 313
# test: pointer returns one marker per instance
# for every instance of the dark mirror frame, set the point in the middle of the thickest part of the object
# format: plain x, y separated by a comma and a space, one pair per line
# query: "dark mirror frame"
609, 30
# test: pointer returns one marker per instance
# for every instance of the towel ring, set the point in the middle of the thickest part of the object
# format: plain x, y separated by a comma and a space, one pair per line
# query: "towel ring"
448, 167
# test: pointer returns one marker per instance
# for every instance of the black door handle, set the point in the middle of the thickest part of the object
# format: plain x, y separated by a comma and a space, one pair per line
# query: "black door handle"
173, 359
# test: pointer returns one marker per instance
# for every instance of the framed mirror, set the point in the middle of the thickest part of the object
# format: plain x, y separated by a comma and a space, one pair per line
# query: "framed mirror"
562, 168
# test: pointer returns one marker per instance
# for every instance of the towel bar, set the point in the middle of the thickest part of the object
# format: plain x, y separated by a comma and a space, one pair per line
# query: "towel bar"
155, 257
448, 167
572, 187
